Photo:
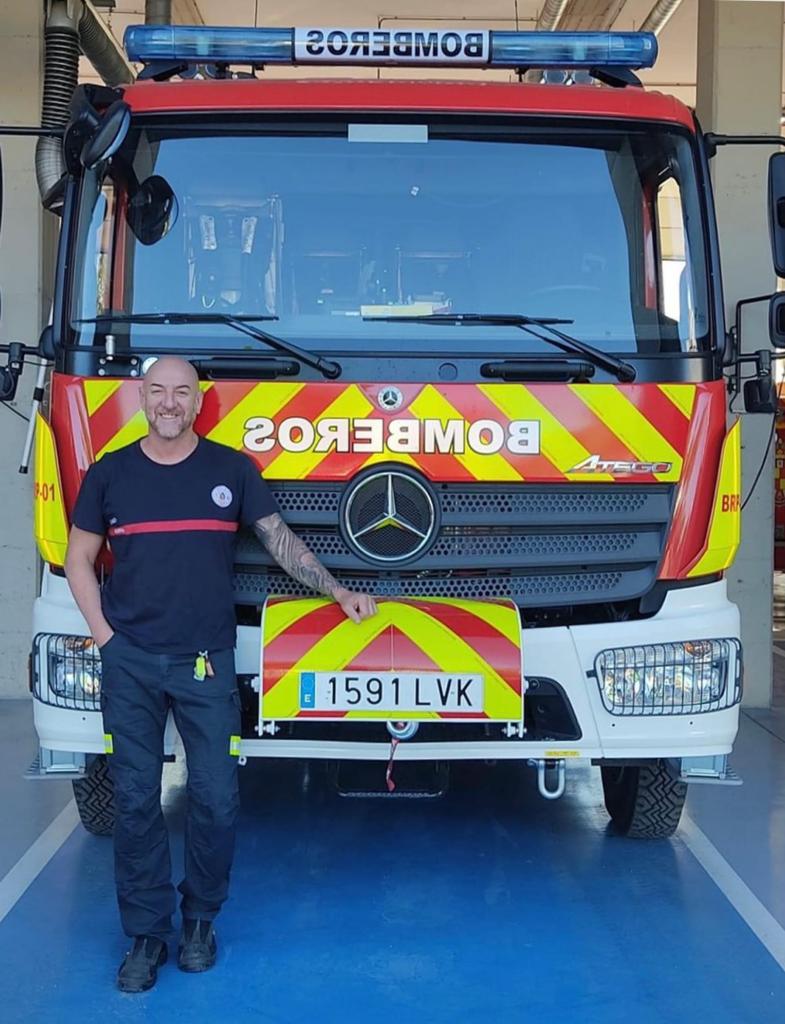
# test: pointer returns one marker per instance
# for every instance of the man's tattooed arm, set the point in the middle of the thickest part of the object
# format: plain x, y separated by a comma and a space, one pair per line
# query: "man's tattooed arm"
293, 556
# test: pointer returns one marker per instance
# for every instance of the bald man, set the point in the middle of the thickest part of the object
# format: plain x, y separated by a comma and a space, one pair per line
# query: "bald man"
165, 625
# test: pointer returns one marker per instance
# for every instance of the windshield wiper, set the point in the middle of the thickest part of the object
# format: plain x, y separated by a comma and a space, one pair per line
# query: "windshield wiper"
623, 371
243, 324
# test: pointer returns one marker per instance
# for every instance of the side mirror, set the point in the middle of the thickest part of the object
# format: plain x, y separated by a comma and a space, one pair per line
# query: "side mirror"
46, 346
777, 320
760, 395
777, 211
108, 136
151, 209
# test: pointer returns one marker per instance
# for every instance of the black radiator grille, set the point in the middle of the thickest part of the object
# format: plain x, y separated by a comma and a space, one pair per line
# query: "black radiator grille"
541, 545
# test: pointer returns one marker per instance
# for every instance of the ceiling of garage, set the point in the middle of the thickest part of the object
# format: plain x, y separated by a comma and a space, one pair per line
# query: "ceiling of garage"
675, 70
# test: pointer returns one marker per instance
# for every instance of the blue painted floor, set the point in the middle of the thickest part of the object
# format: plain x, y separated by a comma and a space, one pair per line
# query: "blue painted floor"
487, 906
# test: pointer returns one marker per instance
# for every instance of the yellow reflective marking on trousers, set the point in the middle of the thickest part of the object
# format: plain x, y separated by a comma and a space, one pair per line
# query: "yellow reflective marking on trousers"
234, 746
621, 417
429, 404
108, 743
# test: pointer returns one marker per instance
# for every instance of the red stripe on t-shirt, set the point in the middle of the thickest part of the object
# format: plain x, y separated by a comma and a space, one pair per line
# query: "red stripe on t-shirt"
173, 526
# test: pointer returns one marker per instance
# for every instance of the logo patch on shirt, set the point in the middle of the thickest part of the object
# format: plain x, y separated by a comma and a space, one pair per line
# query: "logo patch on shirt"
222, 496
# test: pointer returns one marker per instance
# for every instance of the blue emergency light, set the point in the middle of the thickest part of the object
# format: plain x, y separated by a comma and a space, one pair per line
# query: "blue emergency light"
397, 47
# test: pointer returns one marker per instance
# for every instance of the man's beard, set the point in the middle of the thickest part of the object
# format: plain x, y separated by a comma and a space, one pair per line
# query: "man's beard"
170, 428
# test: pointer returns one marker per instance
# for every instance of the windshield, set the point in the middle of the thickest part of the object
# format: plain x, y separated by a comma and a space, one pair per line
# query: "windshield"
325, 226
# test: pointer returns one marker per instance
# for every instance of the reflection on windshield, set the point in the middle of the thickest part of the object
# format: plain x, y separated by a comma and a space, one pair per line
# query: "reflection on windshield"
322, 231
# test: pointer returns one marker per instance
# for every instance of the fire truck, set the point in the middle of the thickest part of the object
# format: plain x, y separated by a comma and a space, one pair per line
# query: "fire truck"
472, 334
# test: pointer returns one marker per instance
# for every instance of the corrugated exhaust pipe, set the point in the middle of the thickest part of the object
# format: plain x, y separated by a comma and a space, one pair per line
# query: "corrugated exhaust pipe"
70, 23
61, 67
659, 16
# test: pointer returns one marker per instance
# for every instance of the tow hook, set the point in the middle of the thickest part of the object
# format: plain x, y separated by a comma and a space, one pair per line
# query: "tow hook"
403, 730
398, 731
551, 776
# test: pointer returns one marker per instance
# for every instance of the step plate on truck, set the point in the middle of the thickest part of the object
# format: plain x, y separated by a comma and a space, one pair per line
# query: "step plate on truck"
415, 659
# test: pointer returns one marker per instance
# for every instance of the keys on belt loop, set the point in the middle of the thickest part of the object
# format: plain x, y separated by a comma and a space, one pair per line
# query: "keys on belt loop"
203, 667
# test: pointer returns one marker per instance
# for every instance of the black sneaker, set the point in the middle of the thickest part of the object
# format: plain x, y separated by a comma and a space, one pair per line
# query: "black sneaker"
197, 946
139, 969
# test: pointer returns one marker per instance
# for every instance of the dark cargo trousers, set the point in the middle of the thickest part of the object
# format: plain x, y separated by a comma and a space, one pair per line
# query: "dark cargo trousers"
138, 688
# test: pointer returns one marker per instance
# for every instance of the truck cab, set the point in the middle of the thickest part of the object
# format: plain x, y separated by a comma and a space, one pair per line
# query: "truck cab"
472, 334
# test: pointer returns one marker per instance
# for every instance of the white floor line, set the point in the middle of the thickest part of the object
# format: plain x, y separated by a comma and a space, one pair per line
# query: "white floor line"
778, 650
32, 863
768, 930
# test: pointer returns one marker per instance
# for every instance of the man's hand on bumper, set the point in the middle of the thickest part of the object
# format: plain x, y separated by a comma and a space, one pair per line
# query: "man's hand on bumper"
356, 606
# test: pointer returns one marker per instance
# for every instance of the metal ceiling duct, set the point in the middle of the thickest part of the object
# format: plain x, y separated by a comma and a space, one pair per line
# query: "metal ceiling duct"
659, 16
601, 15
101, 49
551, 14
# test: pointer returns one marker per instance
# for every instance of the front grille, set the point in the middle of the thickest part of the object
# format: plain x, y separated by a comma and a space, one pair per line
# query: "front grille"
594, 503
308, 501
498, 548
535, 590
543, 546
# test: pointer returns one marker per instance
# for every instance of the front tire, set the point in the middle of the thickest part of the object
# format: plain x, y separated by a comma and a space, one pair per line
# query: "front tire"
644, 802
94, 796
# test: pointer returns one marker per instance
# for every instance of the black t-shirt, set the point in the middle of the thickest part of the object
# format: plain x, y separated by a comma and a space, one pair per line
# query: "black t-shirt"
172, 531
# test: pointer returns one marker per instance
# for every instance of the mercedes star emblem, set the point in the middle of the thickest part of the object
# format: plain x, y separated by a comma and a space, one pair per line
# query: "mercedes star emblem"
390, 399
389, 516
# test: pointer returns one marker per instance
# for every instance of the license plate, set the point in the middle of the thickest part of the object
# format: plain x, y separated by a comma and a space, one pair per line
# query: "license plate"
391, 692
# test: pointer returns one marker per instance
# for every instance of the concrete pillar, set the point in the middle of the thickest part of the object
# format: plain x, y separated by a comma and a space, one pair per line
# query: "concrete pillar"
739, 91
21, 42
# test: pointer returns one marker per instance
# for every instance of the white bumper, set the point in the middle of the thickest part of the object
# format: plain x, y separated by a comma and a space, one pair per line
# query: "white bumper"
564, 654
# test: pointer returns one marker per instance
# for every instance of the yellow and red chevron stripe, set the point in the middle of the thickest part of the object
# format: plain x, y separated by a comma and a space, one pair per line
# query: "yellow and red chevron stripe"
434, 635
275, 422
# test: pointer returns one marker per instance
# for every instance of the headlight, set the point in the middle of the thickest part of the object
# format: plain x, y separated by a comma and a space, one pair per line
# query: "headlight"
74, 670
681, 678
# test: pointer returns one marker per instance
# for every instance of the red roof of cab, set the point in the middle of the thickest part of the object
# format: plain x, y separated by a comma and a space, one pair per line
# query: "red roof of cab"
405, 95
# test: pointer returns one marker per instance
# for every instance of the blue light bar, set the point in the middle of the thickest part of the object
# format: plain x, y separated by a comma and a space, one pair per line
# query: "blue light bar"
397, 47
633, 50
208, 44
